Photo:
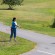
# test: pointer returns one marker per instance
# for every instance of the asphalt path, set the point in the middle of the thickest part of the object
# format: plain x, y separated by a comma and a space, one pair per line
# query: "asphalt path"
45, 44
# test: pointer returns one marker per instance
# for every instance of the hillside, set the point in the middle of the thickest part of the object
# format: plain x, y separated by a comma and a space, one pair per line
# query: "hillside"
36, 15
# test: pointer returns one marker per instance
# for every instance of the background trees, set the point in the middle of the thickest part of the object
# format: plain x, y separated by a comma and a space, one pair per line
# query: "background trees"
12, 3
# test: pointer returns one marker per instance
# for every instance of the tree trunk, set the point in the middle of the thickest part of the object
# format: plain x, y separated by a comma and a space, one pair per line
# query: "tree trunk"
10, 7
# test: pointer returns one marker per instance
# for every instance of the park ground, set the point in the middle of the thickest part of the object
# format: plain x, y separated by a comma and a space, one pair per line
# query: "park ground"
45, 44
35, 15
14, 48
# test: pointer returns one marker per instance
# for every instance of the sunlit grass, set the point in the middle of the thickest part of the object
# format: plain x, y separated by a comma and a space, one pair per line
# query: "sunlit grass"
36, 15
14, 48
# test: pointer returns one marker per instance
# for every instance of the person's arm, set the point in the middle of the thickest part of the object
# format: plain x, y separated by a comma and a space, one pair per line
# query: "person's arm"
16, 24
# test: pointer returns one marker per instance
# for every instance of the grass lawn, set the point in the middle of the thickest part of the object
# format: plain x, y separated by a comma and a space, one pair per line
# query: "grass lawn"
14, 48
36, 15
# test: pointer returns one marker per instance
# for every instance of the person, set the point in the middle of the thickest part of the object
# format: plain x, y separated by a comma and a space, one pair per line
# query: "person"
13, 29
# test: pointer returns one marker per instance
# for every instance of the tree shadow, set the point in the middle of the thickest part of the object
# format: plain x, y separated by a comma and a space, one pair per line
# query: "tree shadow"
6, 9
5, 41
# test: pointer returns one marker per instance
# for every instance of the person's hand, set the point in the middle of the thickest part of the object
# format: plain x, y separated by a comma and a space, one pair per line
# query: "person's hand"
19, 26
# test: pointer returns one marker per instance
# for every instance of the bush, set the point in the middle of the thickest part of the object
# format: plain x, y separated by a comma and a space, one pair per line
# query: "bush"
53, 25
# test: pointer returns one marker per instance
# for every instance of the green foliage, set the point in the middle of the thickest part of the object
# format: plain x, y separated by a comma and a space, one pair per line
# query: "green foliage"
13, 2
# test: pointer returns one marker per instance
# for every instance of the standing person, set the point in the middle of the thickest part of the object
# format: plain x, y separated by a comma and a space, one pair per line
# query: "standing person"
13, 29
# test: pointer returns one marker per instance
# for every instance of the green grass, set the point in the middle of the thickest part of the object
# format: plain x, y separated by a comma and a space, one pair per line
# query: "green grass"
36, 15
14, 48
36, 1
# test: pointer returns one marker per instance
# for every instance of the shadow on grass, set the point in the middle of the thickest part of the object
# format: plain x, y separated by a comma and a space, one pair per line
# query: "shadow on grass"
6, 9
5, 41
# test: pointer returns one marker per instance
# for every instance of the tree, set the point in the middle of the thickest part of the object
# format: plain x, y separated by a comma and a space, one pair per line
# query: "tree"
11, 3
53, 25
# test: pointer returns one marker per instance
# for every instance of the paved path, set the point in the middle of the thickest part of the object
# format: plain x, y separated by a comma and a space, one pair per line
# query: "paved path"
45, 43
